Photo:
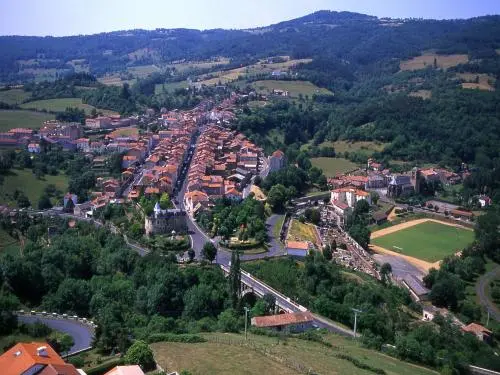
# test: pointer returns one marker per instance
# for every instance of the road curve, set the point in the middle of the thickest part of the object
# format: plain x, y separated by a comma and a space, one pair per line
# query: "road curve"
481, 285
82, 334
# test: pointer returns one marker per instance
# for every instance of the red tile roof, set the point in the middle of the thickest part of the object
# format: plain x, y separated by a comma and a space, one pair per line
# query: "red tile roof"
297, 245
24, 356
282, 319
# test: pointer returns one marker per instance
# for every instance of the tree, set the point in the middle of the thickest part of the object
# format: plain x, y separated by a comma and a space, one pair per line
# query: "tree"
495, 293
375, 197
140, 354
8, 304
191, 254
229, 321
234, 279
165, 201
23, 201
209, 251
44, 202
277, 196
327, 253
385, 271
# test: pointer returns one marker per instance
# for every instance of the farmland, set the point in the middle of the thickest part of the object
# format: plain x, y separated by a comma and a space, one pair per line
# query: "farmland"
60, 105
230, 354
261, 67
24, 180
428, 59
185, 66
424, 94
27, 119
295, 88
14, 96
333, 166
429, 240
477, 81
364, 146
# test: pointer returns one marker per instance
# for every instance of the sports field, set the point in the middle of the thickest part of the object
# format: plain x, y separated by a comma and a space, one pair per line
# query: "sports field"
428, 240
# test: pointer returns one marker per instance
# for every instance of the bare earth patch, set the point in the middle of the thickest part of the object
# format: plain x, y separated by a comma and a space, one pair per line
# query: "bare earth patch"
424, 94
427, 59
479, 81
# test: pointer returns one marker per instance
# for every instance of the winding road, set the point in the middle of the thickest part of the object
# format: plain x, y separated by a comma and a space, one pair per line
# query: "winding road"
481, 285
82, 334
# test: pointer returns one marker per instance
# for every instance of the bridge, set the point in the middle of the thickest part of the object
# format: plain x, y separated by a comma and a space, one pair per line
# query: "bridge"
284, 303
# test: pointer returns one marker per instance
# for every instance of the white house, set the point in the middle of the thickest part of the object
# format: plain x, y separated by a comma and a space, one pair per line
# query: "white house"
349, 196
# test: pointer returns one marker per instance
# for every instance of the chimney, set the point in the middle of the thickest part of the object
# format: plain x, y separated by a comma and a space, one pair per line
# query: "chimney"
42, 351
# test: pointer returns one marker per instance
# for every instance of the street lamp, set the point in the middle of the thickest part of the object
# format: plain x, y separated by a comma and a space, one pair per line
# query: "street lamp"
246, 321
356, 312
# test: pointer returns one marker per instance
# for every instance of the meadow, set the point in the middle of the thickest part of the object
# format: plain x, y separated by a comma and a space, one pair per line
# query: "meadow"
60, 105
230, 354
429, 241
24, 180
22, 119
170, 87
427, 59
483, 81
14, 96
295, 88
301, 232
333, 166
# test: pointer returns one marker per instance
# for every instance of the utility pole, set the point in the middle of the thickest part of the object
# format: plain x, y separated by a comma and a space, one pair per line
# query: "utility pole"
488, 320
246, 321
356, 312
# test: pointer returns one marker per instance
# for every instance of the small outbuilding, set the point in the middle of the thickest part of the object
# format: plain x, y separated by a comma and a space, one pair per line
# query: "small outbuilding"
297, 248
294, 322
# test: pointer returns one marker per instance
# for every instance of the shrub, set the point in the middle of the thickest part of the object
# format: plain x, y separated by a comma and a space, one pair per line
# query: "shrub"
170, 337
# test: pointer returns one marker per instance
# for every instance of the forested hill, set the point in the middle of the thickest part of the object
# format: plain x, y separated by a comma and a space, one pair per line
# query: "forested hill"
359, 42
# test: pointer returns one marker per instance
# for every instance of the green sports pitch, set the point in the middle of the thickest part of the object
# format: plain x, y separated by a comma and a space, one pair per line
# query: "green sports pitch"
429, 241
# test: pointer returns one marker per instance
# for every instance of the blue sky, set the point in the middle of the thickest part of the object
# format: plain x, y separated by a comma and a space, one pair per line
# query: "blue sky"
70, 17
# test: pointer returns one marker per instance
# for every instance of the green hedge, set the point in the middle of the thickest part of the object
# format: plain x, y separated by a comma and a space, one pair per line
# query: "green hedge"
170, 337
105, 367
360, 364
243, 246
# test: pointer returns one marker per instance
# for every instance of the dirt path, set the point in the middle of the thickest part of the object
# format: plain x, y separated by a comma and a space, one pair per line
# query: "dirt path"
419, 263
392, 215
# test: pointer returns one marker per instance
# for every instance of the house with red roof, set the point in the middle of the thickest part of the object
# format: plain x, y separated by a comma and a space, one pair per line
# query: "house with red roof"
294, 322
34, 358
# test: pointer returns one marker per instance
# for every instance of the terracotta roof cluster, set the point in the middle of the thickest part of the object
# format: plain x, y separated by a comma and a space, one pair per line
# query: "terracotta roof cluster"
219, 153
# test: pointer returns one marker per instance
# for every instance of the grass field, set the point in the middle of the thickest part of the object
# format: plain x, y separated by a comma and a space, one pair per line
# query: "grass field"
332, 166
60, 105
224, 359
170, 87
429, 241
427, 59
25, 181
8, 245
293, 87
14, 96
301, 232
484, 82
22, 119
182, 67
141, 71
226, 76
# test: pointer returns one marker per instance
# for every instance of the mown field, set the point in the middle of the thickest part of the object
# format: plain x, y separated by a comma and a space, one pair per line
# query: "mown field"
295, 88
427, 59
14, 96
230, 355
333, 166
429, 241
22, 119
24, 180
60, 105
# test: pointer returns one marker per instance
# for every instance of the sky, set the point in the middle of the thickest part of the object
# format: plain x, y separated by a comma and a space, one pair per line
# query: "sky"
73, 17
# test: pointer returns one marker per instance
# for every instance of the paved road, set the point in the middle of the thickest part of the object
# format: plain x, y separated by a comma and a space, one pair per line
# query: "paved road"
483, 281
81, 333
